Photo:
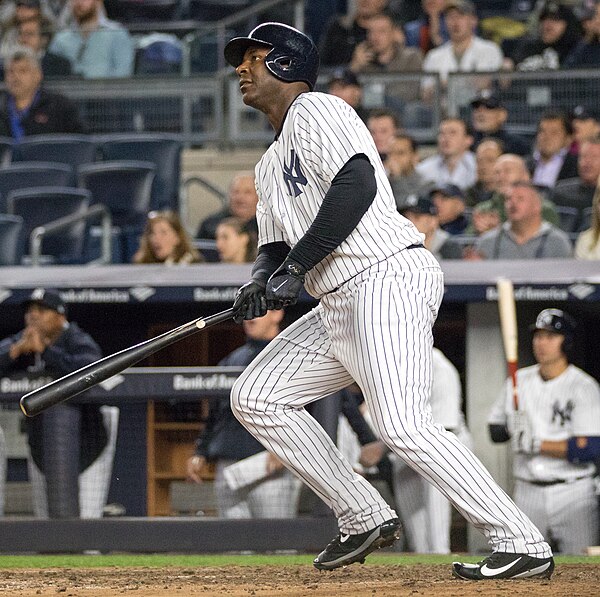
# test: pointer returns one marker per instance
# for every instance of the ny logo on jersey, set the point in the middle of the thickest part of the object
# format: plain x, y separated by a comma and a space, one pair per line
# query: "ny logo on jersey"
293, 175
564, 415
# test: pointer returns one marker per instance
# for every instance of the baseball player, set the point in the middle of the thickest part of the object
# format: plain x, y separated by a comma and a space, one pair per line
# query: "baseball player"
328, 223
555, 436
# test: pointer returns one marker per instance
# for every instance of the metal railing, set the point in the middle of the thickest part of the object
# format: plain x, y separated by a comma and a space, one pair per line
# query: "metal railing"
37, 235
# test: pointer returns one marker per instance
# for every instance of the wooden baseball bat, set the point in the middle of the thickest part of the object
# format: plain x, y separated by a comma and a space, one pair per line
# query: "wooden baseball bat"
508, 325
78, 381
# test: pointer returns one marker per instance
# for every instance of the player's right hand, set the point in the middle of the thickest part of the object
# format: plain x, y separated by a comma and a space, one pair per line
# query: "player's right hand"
250, 302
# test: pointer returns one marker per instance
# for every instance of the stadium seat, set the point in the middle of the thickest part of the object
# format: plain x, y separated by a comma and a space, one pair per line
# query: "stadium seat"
11, 239
125, 188
41, 205
163, 150
32, 174
568, 217
6, 148
586, 218
72, 149
208, 249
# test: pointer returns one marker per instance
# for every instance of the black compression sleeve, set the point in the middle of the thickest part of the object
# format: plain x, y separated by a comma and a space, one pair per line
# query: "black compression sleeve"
269, 258
345, 203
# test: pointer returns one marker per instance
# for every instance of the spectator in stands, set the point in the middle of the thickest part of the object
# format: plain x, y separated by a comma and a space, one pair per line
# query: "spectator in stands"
26, 108
235, 243
75, 442
464, 52
488, 151
423, 214
345, 85
400, 164
586, 53
551, 160
558, 33
166, 241
383, 124
587, 245
274, 491
384, 52
345, 32
488, 117
96, 47
449, 202
36, 34
586, 124
24, 11
453, 163
242, 200
430, 30
525, 235
579, 192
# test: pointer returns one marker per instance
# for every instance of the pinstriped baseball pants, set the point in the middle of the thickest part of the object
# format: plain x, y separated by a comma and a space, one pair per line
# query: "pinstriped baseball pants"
376, 330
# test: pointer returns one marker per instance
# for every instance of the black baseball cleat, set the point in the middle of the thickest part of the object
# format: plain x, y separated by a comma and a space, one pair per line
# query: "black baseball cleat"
347, 549
502, 565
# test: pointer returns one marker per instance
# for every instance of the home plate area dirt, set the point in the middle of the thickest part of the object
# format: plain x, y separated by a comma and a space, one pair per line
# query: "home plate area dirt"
569, 580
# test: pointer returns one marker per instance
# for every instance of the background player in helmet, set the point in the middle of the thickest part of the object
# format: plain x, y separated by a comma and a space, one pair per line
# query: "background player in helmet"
555, 437
328, 222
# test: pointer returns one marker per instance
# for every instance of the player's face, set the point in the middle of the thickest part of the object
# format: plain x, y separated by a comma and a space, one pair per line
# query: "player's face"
163, 239
547, 347
257, 84
243, 197
231, 244
47, 321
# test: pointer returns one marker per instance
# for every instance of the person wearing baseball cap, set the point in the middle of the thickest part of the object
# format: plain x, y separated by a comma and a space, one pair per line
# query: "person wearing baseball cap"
554, 434
422, 212
488, 117
587, 52
65, 440
449, 201
344, 84
559, 31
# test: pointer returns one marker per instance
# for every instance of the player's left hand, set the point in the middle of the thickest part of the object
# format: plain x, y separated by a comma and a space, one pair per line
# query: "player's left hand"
285, 284
522, 438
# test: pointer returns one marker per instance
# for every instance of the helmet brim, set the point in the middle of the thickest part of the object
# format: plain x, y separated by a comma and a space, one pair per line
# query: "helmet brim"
236, 48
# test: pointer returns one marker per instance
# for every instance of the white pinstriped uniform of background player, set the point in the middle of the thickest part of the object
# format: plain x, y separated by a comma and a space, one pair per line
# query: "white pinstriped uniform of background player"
555, 488
379, 294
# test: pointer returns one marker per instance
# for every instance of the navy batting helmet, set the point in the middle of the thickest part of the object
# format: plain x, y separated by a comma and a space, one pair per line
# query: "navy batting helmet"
293, 55
559, 322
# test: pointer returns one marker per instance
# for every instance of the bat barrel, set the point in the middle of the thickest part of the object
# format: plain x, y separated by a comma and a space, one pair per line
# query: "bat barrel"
77, 382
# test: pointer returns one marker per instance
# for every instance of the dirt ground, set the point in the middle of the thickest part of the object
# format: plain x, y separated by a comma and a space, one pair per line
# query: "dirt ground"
297, 581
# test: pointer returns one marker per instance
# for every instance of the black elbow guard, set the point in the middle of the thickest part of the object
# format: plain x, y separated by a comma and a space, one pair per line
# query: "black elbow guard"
498, 433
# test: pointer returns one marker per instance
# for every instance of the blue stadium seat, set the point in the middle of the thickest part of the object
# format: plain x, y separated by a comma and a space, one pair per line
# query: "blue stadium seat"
163, 150
72, 149
11, 239
32, 174
41, 205
125, 188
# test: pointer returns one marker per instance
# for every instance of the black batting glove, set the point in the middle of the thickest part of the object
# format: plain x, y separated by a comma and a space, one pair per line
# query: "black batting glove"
284, 285
250, 301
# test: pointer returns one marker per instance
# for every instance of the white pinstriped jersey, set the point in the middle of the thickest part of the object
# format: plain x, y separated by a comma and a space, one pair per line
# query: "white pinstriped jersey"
560, 408
319, 135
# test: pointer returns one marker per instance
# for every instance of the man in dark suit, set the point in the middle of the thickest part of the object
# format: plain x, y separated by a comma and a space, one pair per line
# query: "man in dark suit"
26, 108
578, 192
551, 160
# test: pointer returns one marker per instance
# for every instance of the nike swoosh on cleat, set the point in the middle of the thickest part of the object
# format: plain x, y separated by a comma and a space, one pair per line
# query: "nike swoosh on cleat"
344, 538
489, 572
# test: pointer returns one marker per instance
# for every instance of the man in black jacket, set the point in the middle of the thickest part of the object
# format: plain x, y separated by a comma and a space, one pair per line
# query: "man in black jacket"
71, 445
26, 108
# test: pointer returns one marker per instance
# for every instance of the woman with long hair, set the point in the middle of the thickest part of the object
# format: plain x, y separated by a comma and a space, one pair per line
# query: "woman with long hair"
236, 243
165, 240
587, 245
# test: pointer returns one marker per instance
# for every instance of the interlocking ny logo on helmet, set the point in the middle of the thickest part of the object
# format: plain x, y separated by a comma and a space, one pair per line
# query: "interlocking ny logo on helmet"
293, 55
